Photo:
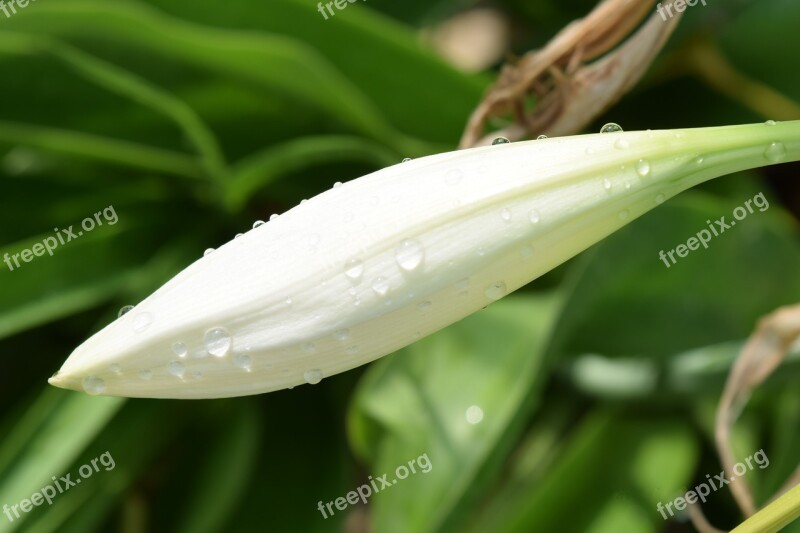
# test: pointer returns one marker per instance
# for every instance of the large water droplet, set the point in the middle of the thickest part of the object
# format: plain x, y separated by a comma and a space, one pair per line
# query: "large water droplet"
177, 369
273, 216
125, 309
243, 361
770, 123
642, 168
258, 224
406, 159
180, 349
500, 140
354, 269
238, 235
775, 152
541, 137
380, 286
93, 385
611, 127
409, 254
474, 414
496, 290
337, 184
341, 335
217, 342
313, 377
505, 214
142, 321
208, 251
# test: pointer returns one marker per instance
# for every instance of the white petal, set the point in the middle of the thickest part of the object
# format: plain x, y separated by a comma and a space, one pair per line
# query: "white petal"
368, 267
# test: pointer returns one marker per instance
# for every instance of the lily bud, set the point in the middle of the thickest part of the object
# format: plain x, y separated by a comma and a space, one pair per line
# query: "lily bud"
377, 263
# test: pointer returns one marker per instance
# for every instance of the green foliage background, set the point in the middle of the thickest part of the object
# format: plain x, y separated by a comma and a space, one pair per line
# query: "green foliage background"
193, 118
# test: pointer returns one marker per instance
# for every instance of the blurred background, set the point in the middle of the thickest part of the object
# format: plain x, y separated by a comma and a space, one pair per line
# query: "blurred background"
575, 404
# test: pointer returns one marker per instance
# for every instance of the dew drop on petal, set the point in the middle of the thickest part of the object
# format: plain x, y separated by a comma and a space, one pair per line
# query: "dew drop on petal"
607, 184
699, 160
93, 385
337, 184
238, 235
217, 342
115, 368
177, 369
273, 216
258, 224
146, 375
208, 251
505, 214
125, 309
770, 123
533, 216
180, 349
142, 321
243, 361
380, 286
409, 254
643, 168
341, 335
313, 377
354, 269
541, 137
775, 152
496, 290
611, 127
500, 140
406, 159
352, 350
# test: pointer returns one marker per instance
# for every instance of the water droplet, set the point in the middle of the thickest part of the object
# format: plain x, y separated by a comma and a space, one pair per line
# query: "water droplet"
351, 350
409, 254
505, 214
93, 385
611, 127
622, 144
642, 168
624, 214
699, 160
217, 342
770, 123
533, 216
607, 184
424, 305
243, 361
313, 377
258, 223
481, 251
660, 199
541, 137
453, 176
354, 269
146, 375
380, 286
526, 251
180, 349
341, 335
208, 251
337, 184
273, 216
238, 235
775, 152
406, 159
628, 186
500, 140
496, 290
115, 368
142, 321
177, 369
474, 414
124, 310
289, 301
